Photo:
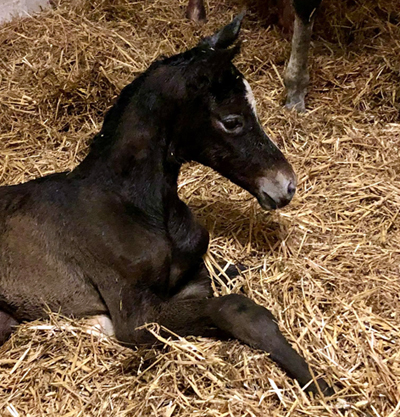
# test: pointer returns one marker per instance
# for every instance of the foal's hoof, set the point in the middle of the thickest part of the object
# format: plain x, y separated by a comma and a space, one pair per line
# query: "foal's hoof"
233, 270
326, 390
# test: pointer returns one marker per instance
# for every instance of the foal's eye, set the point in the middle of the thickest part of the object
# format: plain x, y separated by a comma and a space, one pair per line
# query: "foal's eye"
232, 123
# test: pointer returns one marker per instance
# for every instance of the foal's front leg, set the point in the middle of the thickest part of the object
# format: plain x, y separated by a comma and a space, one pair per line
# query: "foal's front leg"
253, 324
235, 316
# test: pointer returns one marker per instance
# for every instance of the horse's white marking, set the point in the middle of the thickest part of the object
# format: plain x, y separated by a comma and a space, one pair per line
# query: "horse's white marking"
296, 73
250, 96
101, 324
252, 101
196, 14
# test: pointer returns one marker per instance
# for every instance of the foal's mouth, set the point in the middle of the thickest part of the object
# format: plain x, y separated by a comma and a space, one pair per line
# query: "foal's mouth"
266, 202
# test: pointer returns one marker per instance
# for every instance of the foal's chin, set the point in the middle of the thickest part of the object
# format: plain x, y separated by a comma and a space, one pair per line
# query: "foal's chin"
266, 202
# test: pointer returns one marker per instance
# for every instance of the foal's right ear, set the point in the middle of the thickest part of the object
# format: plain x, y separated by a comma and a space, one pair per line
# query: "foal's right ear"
226, 36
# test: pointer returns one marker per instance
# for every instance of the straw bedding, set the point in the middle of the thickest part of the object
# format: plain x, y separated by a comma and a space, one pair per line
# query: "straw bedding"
327, 266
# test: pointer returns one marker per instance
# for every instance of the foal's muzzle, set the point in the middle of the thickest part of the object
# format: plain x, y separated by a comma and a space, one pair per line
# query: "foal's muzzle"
275, 190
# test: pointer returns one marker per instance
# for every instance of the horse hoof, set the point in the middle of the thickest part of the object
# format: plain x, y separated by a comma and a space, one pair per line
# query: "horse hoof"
299, 106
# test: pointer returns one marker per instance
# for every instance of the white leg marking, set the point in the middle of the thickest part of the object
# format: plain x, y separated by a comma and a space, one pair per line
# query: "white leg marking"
101, 325
296, 75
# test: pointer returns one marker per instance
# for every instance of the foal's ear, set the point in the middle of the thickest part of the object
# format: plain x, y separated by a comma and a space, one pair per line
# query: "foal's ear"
226, 36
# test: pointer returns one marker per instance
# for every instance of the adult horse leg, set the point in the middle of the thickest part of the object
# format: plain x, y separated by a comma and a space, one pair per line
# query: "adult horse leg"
235, 316
296, 75
196, 11
7, 325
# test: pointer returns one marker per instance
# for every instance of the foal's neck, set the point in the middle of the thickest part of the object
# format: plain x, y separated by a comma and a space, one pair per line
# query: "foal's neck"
132, 153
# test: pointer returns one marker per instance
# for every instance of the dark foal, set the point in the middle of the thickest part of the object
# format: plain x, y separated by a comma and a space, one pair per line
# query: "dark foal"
296, 76
113, 238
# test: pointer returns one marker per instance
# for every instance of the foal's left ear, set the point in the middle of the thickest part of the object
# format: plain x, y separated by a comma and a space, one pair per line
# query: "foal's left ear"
226, 36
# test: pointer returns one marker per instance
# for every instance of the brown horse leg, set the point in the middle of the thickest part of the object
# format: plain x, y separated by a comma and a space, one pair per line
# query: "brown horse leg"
296, 75
7, 324
195, 11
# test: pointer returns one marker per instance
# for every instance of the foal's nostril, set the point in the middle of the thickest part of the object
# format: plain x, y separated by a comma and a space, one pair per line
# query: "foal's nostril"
291, 189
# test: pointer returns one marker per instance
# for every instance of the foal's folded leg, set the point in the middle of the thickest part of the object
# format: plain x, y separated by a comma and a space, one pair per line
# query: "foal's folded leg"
235, 316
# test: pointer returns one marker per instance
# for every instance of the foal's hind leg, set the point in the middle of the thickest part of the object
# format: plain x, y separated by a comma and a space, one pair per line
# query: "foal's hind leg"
7, 324
233, 316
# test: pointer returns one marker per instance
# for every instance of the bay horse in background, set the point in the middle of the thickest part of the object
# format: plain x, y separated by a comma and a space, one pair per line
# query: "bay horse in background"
296, 76
111, 239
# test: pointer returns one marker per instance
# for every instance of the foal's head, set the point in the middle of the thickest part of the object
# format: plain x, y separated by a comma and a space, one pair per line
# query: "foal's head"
198, 106
216, 123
